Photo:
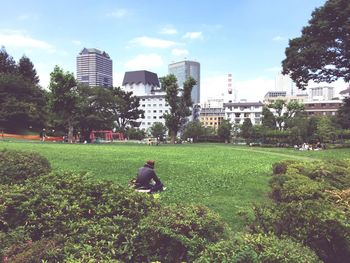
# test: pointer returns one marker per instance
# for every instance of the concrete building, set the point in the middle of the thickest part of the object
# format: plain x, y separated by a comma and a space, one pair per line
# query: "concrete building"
272, 96
321, 93
185, 69
324, 107
94, 68
212, 113
238, 111
145, 85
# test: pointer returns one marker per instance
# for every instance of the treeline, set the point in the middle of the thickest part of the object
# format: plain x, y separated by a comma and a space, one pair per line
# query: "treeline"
65, 107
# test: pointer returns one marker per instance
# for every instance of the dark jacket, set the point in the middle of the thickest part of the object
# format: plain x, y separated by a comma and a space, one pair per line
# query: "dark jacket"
145, 175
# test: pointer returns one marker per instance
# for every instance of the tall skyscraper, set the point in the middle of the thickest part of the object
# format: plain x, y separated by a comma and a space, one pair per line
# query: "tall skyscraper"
185, 69
94, 68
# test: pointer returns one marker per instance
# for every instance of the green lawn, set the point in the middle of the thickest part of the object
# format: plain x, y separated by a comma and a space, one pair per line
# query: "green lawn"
226, 178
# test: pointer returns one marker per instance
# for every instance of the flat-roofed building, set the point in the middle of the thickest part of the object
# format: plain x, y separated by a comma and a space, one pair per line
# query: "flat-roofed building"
325, 107
237, 112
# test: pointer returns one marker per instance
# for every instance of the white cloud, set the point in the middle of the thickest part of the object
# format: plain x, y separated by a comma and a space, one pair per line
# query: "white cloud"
18, 39
119, 13
76, 42
193, 35
279, 39
179, 52
153, 42
168, 30
143, 62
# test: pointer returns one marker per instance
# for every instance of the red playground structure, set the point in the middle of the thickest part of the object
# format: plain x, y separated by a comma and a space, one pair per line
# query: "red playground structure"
106, 136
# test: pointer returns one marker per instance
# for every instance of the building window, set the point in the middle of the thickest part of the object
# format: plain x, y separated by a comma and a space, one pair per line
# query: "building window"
149, 105
160, 105
143, 99
154, 111
154, 105
160, 99
85, 78
149, 111
166, 104
143, 105
148, 123
160, 117
257, 115
148, 117
166, 110
154, 117
160, 111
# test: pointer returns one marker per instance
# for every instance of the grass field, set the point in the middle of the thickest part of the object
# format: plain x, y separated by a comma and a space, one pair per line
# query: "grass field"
226, 178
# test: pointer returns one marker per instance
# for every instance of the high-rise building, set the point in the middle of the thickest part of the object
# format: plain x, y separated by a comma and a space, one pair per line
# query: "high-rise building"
185, 69
94, 68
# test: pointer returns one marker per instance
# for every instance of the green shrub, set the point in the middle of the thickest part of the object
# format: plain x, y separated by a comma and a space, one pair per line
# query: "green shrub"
17, 166
178, 233
281, 167
258, 248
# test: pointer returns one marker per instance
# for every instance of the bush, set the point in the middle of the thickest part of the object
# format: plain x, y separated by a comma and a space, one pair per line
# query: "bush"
17, 166
281, 167
258, 248
178, 233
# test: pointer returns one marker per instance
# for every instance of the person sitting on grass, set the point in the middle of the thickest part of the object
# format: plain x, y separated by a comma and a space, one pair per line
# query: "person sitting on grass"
147, 178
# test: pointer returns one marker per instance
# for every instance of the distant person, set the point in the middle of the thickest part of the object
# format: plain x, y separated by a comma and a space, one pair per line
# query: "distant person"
147, 178
43, 135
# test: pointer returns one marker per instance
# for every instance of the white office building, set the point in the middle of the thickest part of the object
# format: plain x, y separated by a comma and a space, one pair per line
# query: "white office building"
237, 112
145, 85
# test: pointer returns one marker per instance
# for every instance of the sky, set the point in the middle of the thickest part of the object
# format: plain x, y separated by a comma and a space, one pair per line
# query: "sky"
246, 38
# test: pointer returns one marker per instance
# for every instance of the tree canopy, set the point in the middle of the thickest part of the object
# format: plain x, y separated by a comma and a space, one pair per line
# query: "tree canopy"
321, 53
179, 101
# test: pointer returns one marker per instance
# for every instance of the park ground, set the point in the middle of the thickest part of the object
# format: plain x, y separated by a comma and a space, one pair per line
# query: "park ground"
228, 179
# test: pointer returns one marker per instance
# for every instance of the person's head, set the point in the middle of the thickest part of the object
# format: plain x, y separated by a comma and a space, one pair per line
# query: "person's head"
150, 163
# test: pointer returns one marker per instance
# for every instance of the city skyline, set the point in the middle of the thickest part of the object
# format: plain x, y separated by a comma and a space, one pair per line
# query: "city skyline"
244, 38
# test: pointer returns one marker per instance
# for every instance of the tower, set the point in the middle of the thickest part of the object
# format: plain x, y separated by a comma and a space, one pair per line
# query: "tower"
182, 71
94, 68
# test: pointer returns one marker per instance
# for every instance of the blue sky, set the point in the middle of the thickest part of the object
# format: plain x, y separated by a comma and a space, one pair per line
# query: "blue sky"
244, 37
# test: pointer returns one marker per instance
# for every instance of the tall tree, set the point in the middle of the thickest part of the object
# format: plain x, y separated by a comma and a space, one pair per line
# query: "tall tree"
179, 101
268, 119
325, 131
7, 63
224, 130
284, 112
64, 98
193, 129
125, 108
158, 130
322, 52
27, 70
343, 114
22, 104
247, 129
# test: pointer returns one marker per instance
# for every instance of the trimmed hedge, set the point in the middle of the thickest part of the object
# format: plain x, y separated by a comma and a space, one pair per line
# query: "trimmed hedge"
17, 166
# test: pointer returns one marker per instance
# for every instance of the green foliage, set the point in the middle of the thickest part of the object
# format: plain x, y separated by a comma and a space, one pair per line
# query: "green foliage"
135, 134
17, 166
306, 207
224, 130
22, 104
178, 233
258, 248
7, 63
179, 101
325, 130
247, 129
158, 130
27, 70
268, 119
193, 129
343, 114
321, 52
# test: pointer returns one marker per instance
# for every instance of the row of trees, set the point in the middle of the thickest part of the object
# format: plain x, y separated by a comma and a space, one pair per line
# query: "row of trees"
69, 106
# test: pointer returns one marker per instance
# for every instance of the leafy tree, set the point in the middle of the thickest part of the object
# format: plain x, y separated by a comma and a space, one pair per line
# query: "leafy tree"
322, 52
93, 110
285, 112
135, 134
268, 119
193, 129
64, 98
26, 69
125, 108
22, 104
247, 129
325, 131
7, 63
158, 130
224, 130
179, 101
343, 114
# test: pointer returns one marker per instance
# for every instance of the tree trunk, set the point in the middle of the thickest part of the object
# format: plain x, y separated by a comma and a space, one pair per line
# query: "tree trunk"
173, 137
70, 131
